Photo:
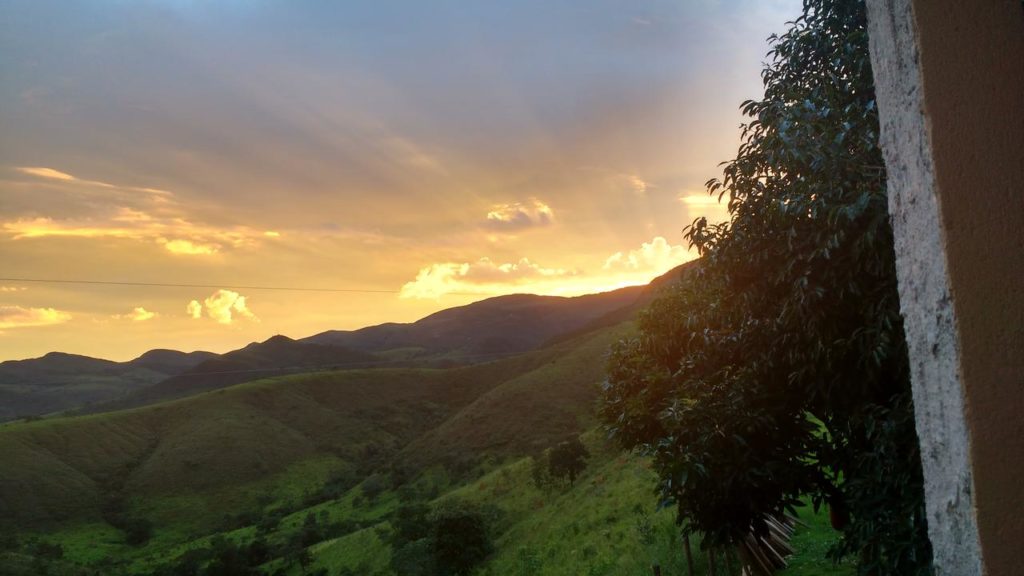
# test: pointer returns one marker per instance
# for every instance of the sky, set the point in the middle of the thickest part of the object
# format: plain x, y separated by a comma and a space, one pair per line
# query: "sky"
430, 153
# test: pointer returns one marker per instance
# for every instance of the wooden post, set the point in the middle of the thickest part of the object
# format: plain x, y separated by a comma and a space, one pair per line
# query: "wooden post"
728, 561
657, 569
711, 562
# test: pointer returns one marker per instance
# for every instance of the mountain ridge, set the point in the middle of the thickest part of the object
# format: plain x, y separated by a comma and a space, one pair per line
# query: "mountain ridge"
483, 330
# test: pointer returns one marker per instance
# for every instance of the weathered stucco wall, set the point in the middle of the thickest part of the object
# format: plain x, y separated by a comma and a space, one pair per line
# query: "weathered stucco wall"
950, 81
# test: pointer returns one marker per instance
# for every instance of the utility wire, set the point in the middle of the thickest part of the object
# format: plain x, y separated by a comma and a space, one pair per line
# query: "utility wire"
355, 364
216, 286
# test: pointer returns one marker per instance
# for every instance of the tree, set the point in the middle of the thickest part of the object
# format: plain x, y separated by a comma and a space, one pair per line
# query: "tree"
414, 558
568, 459
777, 369
461, 538
374, 486
410, 523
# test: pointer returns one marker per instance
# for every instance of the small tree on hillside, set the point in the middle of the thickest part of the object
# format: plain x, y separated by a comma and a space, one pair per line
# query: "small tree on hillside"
568, 460
461, 538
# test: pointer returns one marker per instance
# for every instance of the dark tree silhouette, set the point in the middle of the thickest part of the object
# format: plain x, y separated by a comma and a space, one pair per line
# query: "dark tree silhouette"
461, 539
778, 370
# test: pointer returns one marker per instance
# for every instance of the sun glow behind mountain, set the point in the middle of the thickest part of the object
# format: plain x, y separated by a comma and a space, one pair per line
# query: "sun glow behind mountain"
438, 153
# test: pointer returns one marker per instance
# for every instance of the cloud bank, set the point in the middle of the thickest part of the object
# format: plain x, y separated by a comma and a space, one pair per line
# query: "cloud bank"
656, 257
519, 216
481, 277
138, 314
21, 317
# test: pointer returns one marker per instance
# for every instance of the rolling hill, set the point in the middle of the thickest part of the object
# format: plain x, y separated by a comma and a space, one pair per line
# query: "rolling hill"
317, 465
63, 469
478, 332
58, 381
501, 325
276, 356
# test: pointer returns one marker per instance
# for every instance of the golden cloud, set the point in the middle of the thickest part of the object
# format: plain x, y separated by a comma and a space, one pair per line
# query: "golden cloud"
136, 213
190, 248
520, 215
43, 172
223, 306
702, 204
637, 184
480, 277
138, 314
177, 235
81, 183
20, 317
654, 257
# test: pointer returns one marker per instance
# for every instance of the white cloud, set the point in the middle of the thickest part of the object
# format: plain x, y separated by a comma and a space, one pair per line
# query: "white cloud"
520, 215
656, 256
20, 317
480, 277
138, 314
223, 306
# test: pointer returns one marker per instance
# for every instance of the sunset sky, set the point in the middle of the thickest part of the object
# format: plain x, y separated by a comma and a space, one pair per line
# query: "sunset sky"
437, 152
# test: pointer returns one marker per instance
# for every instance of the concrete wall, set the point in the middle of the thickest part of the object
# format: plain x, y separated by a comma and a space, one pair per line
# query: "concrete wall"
950, 81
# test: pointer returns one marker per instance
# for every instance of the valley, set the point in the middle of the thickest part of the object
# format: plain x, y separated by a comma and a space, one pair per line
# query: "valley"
314, 471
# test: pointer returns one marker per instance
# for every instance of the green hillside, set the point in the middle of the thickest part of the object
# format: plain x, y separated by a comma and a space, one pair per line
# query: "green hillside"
313, 468
62, 469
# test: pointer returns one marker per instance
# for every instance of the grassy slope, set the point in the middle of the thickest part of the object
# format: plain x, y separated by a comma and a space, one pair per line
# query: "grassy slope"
212, 453
606, 524
60, 469
268, 444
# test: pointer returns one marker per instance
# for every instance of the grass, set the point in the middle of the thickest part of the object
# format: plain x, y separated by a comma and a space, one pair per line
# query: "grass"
605, 524
811, 543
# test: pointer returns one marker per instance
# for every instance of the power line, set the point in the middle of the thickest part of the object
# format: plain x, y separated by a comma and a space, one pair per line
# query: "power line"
217, 286
353, 364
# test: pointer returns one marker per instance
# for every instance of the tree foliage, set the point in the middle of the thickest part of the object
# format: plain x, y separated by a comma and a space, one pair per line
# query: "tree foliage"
460, 537
778, 368
450, 540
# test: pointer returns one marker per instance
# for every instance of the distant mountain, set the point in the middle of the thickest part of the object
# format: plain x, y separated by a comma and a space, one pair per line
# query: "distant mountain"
501, 325
59, 381
481, 331
171, 361
276, 356
646, 295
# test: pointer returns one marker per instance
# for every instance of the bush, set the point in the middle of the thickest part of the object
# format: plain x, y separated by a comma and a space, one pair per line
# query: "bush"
461, 538
567, 460
374, 486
